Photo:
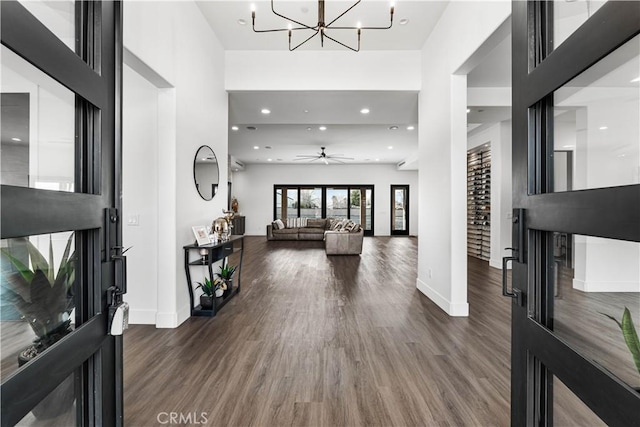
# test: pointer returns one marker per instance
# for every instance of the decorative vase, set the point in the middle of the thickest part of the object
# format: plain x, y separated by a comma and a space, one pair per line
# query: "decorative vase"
219, 292
229, 283
206, 302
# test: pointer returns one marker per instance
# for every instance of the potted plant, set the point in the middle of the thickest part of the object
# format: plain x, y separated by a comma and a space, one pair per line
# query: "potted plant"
226, 276
44, 298
630, 336
209, 291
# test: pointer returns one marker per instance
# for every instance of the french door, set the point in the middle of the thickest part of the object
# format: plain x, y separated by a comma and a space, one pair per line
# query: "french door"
61, 233
576, 75
399, 210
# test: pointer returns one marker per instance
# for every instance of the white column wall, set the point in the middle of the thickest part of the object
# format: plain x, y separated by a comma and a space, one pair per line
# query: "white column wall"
461, 30
174, 40
254, 190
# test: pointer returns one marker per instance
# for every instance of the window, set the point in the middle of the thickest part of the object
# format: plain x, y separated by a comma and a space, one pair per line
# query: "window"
354, 202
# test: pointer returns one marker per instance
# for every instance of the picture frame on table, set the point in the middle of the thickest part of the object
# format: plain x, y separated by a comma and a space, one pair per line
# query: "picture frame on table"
202, 237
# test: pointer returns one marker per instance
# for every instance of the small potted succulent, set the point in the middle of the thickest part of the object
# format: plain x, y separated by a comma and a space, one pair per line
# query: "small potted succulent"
210, 290
226, 275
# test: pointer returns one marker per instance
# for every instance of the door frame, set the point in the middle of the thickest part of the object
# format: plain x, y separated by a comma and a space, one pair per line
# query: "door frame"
392, 231
537, 353
94, 75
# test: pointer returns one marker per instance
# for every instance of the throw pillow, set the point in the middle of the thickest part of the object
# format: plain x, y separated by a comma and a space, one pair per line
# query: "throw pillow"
337, 225
350, 226
278, 224
356, 229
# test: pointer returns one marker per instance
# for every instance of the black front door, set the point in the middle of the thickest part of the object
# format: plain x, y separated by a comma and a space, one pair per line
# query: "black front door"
576, 74
399, 210
61, 185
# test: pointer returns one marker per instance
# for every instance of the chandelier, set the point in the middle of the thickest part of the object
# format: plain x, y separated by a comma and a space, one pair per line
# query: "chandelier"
321, 27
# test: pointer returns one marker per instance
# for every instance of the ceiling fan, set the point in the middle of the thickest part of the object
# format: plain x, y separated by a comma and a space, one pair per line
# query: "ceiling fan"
338, 158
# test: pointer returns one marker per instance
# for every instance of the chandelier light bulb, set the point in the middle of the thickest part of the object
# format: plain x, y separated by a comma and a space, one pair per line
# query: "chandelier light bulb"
253, 7
359, 25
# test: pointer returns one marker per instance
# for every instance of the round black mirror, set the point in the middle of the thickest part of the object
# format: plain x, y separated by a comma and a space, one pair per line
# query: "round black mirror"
205, 172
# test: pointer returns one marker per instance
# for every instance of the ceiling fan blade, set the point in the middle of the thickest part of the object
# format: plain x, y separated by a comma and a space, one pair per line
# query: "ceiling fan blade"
339, 157
307, 156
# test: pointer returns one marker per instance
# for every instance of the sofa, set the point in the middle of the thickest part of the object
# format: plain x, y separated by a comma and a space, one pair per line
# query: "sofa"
343, 242
299, 229
342, 237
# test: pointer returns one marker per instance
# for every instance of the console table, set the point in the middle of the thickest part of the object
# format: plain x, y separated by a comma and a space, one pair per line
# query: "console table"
215, 252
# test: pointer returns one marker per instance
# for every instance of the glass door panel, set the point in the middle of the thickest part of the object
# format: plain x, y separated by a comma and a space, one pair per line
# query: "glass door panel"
368, 210
292, 203
602, 284
38, 128
399, 209
597, 123
311, 203
355, 205
337, 203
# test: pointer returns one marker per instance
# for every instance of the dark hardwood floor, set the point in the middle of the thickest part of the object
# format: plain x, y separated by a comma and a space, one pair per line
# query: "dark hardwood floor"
335, 341
332, 341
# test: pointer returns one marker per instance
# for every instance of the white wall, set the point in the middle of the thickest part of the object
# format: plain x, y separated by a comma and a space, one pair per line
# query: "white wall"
174, 40
140, 194
442, 271
254, 190
323, 70
499, 138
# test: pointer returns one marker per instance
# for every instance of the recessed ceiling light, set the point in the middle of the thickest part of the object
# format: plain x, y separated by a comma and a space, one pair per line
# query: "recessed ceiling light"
255, 147
309, 128
265, 111
364, 111
322, 128
390, 147
404, 21
234, 128
393, 127
268, 147
603, 127
242, 22
468, 110
16, 139
269, 160
410, 127
306, 111
377, 160
636, 80
251, 128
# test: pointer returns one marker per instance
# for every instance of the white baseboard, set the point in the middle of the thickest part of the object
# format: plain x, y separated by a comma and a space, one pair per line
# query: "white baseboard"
142, 317
183, 315
167, 320
591, 286
452, 309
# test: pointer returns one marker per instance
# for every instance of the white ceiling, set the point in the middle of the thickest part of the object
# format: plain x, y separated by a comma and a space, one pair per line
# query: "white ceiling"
366, 138
290, 131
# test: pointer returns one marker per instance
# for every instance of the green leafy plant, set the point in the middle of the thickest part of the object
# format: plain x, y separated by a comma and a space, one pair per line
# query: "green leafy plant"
226, 272
43, 297
630, 335
209, 288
